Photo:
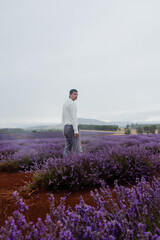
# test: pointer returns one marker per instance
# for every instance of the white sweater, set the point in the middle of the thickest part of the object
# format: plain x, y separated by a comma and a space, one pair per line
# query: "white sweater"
69, 114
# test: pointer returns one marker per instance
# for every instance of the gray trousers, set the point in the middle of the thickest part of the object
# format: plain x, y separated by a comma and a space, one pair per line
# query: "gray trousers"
72, 144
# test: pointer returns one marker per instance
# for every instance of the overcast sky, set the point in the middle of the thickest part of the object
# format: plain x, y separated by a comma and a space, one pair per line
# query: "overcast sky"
109, 50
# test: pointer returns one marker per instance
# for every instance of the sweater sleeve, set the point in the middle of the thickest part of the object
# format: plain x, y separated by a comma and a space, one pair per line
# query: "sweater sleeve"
74, 117
63, 121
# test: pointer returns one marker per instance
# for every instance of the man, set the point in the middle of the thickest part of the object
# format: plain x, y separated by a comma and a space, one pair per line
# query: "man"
69, 120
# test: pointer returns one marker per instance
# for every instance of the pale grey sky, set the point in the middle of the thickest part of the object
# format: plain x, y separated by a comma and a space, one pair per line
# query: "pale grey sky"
107, 49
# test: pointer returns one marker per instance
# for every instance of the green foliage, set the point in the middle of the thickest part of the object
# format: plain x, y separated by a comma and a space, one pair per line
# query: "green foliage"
11, 130
139, 130
152, 129
144, 128
9, 166
127, 130
135, 126
15, 166
149, 129
98, 127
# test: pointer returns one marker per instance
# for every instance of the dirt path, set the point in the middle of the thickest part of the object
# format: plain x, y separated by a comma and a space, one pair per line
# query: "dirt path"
38, 203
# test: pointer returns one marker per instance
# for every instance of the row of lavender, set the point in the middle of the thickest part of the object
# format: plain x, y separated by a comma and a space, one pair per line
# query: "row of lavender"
105, 158
46, 134
122, 158
29, 154
30, 135
125, 214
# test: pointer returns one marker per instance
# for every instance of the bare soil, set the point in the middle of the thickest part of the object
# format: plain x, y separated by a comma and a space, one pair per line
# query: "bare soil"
38, 203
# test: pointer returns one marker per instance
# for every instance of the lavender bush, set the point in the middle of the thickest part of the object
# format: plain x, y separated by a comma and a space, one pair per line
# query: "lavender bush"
122, 214
29, 154
89, 169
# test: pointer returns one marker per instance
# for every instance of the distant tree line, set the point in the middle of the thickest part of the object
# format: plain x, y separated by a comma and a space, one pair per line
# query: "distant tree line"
98, 127
10, 130
146, 129
135, 126
143, 128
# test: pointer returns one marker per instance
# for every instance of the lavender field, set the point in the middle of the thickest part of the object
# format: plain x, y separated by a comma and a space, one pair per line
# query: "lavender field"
104, 158
131, 163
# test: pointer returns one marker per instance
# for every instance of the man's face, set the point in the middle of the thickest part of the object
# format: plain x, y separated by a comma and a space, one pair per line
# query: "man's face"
74, 96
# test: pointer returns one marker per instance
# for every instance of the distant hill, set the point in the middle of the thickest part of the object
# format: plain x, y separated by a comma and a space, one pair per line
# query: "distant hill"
91, 121
53, 126
88, 121
98, 122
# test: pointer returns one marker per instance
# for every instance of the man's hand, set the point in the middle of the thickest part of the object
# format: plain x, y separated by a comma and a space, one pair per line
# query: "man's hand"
76, 135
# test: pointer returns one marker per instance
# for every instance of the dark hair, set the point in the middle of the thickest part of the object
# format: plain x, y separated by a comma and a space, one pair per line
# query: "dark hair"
72, 90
